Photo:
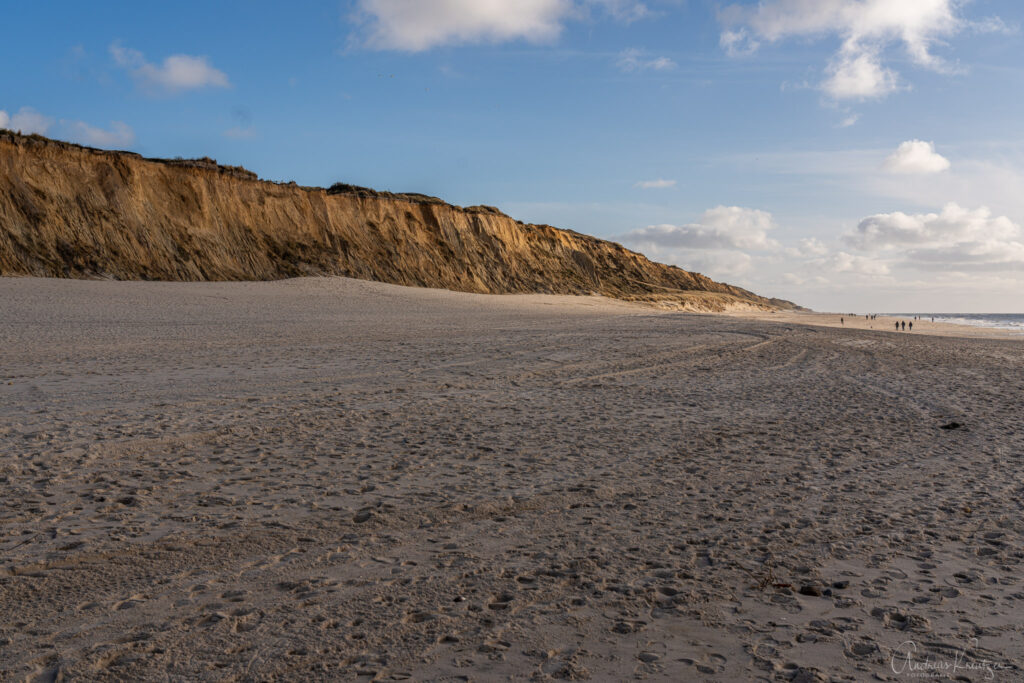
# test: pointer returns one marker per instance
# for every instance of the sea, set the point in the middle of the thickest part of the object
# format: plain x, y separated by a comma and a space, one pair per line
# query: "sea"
1002, 321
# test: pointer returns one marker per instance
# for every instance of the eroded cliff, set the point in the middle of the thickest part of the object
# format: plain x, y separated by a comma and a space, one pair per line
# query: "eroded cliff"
71, 211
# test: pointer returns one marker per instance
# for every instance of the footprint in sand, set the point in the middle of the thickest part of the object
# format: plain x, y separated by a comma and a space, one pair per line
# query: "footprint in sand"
709, 664
501, 601
418, 617
131, 602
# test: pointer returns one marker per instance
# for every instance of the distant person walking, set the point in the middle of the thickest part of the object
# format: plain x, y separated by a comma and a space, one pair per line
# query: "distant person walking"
911, 325
904, 325
841, 321
897, 325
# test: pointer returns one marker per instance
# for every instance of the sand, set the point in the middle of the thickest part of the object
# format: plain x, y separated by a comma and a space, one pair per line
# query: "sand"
325, 479
883, 323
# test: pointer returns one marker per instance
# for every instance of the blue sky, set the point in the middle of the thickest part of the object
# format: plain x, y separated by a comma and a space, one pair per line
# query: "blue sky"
856, 155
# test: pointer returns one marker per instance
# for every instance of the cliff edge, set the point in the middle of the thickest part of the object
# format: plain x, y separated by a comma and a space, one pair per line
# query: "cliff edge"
72, 211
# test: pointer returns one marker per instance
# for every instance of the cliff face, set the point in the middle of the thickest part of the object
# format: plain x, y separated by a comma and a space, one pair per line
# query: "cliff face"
70, 211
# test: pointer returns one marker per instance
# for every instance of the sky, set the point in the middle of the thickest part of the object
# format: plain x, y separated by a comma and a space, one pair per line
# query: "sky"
849, 155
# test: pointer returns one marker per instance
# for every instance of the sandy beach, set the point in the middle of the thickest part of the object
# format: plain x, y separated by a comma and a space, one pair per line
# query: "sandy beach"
882, 323
332, 479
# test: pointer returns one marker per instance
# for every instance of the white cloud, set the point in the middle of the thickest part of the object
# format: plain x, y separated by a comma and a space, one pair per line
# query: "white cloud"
843, 262
635, 60
857, 73
850, 120
737, 43
26, 120
717, 244
809, 247
995, 183
723, 227
866, 28
120, 135
954, 238
177, 73
916, 156
416, 25
659, 184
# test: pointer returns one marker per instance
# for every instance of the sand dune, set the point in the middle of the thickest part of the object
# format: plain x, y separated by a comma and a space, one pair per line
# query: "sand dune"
338, 479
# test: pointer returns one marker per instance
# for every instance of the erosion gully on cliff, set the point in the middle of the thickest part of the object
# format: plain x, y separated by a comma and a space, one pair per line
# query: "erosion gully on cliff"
72, 211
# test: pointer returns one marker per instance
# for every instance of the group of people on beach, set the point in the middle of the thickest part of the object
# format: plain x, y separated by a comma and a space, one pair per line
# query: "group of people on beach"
908, 327
901, 325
